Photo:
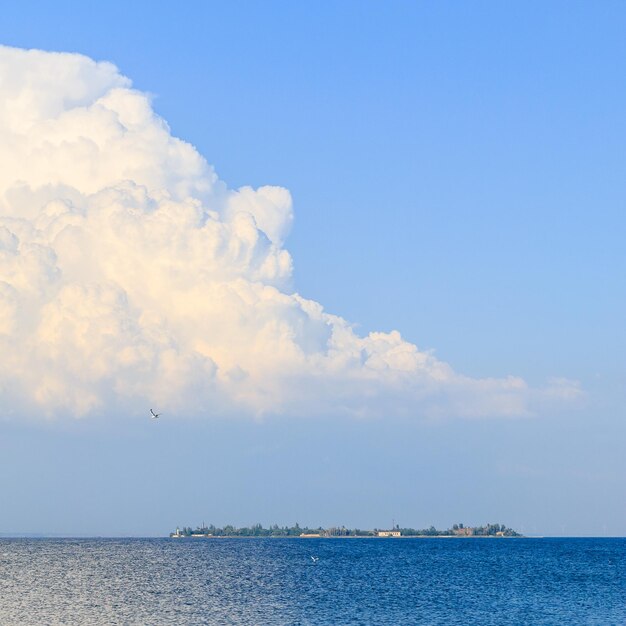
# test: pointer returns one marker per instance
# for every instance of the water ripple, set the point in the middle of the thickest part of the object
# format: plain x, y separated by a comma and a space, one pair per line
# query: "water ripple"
534, 582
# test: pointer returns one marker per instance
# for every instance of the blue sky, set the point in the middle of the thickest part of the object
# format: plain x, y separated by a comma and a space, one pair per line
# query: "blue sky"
457, 174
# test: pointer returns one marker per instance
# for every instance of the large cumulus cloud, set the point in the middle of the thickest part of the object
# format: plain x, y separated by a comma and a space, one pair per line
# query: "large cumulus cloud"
131, 275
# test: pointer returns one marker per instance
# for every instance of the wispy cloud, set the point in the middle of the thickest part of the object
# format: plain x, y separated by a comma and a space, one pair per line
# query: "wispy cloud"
130, 274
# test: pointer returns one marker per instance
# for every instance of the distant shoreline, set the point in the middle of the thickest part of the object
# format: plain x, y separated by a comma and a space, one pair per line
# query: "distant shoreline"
191, 537
306, 532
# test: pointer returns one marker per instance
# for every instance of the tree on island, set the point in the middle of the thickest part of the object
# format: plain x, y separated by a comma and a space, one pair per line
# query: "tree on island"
257, 530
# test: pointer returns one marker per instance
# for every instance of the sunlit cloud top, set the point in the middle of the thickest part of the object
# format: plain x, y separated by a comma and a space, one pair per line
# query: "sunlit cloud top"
130, 276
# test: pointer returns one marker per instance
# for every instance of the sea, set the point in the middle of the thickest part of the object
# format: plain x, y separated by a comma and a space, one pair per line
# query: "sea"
430, 582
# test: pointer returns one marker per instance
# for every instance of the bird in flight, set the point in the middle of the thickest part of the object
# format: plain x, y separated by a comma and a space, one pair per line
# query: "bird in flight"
155, 415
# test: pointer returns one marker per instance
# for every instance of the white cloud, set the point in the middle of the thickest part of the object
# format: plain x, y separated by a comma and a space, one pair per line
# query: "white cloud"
131, 275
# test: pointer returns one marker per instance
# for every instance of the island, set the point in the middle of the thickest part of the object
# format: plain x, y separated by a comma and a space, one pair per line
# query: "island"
257, 530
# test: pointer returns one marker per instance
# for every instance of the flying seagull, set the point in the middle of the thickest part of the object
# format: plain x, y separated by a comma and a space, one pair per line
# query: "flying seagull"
155, 415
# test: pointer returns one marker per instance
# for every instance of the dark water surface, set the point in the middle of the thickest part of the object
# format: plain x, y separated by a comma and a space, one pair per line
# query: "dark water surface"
275, 581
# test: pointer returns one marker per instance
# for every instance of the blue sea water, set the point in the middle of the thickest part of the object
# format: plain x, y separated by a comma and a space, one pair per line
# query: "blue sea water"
485, 582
